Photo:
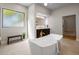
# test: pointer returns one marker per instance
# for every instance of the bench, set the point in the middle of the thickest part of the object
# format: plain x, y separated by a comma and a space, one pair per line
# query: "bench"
8, 41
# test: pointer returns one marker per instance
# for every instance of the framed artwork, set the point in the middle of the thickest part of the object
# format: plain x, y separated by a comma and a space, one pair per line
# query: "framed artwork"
12, 18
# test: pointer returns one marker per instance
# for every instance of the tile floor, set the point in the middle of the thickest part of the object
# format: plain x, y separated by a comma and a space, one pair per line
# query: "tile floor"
19, 48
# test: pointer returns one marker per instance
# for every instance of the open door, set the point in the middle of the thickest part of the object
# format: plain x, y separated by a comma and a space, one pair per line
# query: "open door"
69, 26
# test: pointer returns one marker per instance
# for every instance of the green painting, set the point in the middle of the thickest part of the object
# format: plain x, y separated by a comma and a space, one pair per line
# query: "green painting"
13, 18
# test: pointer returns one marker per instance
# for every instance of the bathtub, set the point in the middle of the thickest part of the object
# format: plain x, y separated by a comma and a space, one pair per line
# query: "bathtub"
47, 45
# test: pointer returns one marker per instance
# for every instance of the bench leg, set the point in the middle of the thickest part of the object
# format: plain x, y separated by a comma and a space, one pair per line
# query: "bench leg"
8, 41
21, 38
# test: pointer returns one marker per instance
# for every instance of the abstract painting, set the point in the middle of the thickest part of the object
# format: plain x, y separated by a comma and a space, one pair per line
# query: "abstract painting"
12, 18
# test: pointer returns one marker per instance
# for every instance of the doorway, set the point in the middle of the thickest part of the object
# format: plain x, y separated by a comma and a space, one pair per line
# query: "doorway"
69, 27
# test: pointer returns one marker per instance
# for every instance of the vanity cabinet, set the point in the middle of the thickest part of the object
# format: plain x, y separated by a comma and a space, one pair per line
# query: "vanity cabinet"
42, 32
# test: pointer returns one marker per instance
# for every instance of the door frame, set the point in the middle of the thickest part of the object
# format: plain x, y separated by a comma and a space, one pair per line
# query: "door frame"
63, 24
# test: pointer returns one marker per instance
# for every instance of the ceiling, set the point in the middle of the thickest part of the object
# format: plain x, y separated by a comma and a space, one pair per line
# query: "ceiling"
25, 4
51, 6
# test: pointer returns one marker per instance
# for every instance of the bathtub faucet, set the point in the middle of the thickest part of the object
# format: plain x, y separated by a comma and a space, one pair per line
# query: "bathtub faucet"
41, 33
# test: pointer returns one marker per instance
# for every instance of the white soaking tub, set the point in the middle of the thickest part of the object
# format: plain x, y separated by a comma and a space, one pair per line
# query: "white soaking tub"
46, 45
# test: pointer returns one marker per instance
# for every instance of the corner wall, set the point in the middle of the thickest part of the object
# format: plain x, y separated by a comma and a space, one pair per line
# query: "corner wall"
31, 22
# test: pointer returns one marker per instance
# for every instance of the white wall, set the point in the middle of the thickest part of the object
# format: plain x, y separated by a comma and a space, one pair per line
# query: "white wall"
31, 22
0, 23
43, 10
56, 21
13, 31
32, 11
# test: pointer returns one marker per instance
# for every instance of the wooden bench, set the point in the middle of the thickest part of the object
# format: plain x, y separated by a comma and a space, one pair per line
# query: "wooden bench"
8, 41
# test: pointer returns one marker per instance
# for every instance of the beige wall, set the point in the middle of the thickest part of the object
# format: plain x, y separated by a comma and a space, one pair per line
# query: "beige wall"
13, 31
56, 21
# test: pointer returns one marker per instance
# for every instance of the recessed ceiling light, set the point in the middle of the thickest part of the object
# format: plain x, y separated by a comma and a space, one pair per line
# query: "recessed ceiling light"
45, 4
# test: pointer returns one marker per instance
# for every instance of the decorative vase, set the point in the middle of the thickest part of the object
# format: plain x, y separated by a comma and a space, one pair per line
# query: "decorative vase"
23, 35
